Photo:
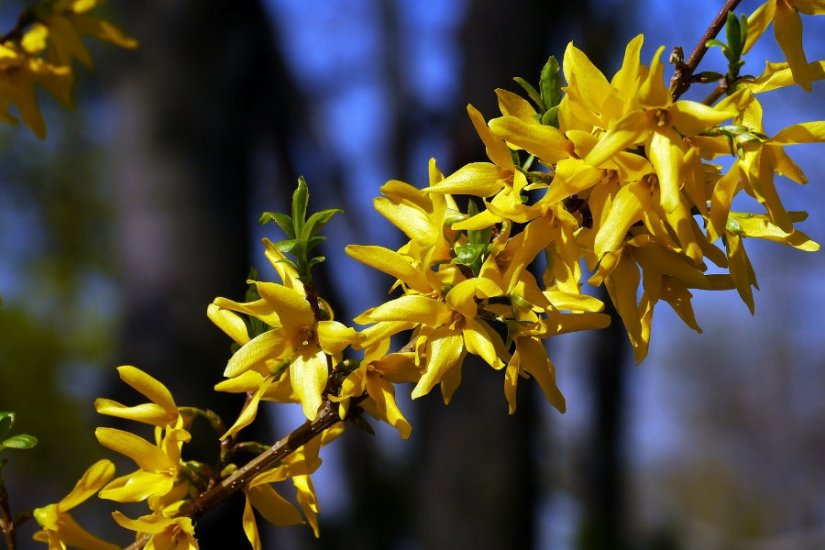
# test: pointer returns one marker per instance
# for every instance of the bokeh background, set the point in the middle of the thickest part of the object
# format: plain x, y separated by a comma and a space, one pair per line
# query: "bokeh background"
141, 207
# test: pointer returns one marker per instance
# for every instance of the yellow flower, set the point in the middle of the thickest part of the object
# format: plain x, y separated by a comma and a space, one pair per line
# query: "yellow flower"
659, 126
161, 412
759, 226
297, 343
787, 28
297, 467
310, 348
166, 533
20, 71
447, 331
376, 377
59, 529
159, 464
779, 75
498, 179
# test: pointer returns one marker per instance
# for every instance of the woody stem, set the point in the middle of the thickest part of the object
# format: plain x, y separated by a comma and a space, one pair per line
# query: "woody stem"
327, 417
683, 75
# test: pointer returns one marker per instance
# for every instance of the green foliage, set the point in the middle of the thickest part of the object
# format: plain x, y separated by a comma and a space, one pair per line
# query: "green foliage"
474, 252
736, 34
19, 441
549, 95
302, 233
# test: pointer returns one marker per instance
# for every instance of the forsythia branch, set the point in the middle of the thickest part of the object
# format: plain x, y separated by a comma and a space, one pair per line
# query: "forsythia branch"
328, 416
683, 75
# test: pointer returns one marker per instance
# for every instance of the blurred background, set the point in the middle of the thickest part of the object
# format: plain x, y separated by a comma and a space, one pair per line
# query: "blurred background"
142, 206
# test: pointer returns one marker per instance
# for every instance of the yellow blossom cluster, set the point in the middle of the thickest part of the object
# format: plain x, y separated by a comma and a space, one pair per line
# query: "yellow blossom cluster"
40, 52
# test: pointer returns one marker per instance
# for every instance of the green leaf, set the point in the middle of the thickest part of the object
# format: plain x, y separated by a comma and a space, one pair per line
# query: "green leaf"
6, 422
315, 241
283, 221
531, 91
316, 260
734, 35
319, 220
252, 289
287, 246
300, 200
481, 236
550, 84
718, 43
743, 31
468, 254
19, 441
551, 117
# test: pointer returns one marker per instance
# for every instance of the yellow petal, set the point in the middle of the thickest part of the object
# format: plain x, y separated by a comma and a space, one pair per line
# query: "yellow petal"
250, 527
478, 341
444, 351
545, 142
652, 92
229, 322
626, 79
149, 387
758, 21
511, 382
627, 209
787, 28
515, 105
273, 507
462, 296
382, 394
334, 337
308, 374
630, 130
760, 227
90, 483
779, 75
383, 330
147, 456
137, 486
148, 413
74, 536
258, 308
392, 263
692, 118
250, 410
741, 270
587, 84
248, 381
409, 308
572, 176
307, 500
665, 153
805, 132
479, 179
269, 345
497, 150
535, 362
150, 525
292, 307
622, 284
398, 367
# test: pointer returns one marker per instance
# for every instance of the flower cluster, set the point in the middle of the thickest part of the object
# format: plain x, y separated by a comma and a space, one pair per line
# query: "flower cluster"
40, 51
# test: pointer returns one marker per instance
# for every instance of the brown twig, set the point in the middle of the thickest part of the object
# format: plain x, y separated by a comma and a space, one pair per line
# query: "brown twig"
327, 417
7, 523
683, 75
